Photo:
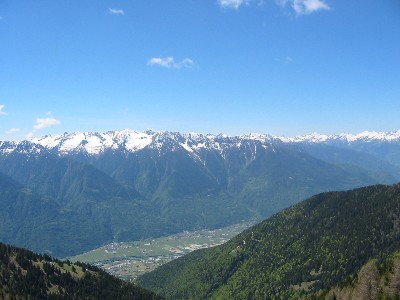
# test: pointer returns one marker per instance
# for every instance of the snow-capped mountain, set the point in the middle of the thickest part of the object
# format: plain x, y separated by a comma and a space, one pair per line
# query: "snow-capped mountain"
132, 141
365, 136
24, 147
194, 144
95, 143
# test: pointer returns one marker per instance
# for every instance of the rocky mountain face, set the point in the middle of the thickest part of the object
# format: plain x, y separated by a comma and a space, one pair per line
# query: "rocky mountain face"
127, 185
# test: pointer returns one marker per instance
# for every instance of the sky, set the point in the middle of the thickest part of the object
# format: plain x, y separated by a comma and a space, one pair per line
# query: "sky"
282, 67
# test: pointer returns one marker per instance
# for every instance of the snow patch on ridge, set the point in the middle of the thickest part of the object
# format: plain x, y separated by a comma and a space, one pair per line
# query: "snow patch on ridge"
95, 143
7, 147
365, 136
311, 138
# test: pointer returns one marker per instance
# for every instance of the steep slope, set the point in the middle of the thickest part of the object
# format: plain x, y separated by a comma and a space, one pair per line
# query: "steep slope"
63, 179
26, 275
20, 205
40, 223
305, 248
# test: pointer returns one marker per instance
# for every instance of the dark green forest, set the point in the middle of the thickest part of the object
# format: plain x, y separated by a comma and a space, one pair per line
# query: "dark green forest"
306, 248
26, 275
377, 279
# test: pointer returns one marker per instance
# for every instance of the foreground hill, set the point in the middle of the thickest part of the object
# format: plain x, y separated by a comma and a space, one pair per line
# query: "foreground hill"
26, 275
374, 281
93, 189
306, 248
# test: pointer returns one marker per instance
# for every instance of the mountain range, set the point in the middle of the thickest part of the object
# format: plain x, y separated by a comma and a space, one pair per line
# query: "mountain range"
69, 193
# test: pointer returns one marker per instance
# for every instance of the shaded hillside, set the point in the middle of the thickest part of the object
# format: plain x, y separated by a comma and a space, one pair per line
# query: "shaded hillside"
308, 247
42, 224
26, 275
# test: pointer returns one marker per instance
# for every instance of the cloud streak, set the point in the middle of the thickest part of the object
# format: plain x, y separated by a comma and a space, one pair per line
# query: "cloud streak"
235, 4
2, 113
13, 130
304, 7
288, 60
116, 11
42, 123
170, 63
300, 7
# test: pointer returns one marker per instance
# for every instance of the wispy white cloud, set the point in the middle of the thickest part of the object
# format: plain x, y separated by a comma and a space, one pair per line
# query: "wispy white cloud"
233, 3
116, 11
42, 123
2, 113
170, 63
187, 62
300, 7
304, 7
12, 130
288, 60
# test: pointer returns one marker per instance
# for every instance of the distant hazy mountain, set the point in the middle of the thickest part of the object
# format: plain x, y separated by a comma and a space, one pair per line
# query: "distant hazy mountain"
320, 248
26, 275
127, 185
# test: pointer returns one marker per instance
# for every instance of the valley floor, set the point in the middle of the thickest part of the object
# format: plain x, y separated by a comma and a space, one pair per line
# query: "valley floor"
128, 260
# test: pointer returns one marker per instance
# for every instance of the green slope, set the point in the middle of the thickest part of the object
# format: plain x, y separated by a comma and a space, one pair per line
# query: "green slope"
26, 275
305, 248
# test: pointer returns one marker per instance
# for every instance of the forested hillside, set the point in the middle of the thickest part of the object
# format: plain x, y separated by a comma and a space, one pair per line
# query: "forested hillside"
26, 275
308, 247
377, 279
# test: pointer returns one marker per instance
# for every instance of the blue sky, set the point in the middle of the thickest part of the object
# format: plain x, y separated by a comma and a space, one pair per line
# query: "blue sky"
283, 67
